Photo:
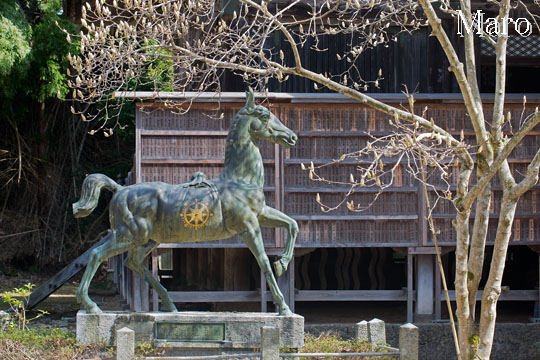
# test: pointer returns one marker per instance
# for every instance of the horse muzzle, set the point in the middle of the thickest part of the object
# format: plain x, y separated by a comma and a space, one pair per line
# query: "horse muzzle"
287, 140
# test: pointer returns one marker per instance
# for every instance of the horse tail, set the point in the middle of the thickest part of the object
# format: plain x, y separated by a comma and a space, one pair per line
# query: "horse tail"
91, 190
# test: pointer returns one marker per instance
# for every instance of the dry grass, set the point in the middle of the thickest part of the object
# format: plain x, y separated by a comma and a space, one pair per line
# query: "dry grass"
330, 342
47, 344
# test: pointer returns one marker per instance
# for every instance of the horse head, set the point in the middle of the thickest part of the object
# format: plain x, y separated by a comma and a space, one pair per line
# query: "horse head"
266, 126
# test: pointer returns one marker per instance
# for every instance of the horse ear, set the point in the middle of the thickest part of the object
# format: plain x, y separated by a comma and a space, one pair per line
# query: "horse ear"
250, 99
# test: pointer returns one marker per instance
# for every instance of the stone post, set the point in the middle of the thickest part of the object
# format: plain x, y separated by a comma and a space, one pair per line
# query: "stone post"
269, 343
361, 331
125, 344
377, 332
408, 342
4, 320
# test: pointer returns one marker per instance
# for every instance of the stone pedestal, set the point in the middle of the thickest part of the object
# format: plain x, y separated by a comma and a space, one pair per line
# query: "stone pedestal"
201, 332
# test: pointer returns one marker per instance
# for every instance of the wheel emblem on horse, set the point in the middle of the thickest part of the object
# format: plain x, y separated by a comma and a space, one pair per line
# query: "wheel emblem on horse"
144, 215
196, 215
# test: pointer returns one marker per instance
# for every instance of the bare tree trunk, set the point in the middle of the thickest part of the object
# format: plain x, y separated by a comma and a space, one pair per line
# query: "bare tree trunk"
461, 224
492, 290
477, 250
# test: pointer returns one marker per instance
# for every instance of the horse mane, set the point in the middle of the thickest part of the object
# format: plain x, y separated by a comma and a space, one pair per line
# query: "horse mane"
257, 110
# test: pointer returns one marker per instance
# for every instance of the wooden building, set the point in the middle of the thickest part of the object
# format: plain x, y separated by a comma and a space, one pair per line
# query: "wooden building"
383, 254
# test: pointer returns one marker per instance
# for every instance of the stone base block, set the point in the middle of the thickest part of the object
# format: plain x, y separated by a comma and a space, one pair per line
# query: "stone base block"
200, 330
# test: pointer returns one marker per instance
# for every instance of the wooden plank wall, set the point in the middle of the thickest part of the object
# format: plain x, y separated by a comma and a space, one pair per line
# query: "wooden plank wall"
527, 219
172, 147
415, 60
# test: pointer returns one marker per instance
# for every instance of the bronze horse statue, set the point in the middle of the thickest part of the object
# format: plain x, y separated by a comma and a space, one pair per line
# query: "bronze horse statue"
144, 215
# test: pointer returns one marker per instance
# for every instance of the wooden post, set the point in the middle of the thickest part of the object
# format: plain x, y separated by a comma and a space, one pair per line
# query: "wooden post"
424, 286
121, 280
263, 292
155, 268
409, 287
278, 236
129, 287
145, 290
137, 298
286, 285
283, 283
291, 284
437, 292
123, 274
138, 121
114, 260
422, 217
538, 300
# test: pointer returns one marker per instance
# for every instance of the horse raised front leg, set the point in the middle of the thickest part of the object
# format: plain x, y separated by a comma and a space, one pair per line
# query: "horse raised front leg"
135, 263
271, 217
110, 248
253, 239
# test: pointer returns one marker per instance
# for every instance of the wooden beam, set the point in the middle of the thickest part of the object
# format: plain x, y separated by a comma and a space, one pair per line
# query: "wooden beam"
215, 296
54, 283
351, 295
299, 245
506, 295
318, 189
491, 216
303, 98
429, 250
146, 132
320, 161
410, 290
354, 217
216, 161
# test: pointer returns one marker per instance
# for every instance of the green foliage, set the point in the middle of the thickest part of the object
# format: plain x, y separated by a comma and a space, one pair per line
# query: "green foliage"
33, 52
332, 343
144, 348
474, 341
15, 36
49, 6
161, 69
49, 63
17, 299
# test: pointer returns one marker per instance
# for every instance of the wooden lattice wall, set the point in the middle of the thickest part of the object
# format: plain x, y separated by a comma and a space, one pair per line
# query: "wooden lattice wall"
171, 147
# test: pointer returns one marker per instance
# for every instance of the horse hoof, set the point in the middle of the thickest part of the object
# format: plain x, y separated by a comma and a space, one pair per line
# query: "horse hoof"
286, 312
279, 267
93, 309
168, 307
